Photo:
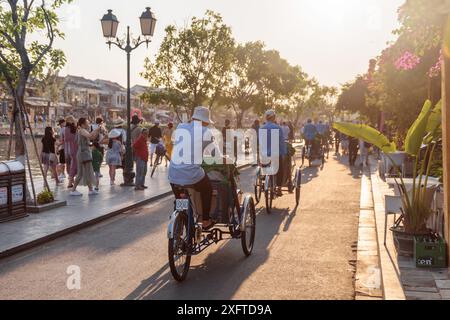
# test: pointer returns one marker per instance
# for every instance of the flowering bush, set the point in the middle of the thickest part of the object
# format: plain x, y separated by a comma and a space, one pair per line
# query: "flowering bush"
407, 61
436, 69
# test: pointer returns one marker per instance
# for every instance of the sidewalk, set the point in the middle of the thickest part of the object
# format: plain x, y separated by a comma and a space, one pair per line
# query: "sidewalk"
80, 212
400, 278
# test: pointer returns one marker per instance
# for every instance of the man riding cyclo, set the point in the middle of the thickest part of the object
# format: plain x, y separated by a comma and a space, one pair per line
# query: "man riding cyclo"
190, 173
281, 151
322, 132
309, 135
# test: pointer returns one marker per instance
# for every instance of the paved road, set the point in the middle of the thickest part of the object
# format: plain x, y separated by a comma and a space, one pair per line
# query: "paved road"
302, 254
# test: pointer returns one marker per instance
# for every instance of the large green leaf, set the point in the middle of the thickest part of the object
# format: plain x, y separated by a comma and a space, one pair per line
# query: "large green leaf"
434, 123
366, 133
418, 130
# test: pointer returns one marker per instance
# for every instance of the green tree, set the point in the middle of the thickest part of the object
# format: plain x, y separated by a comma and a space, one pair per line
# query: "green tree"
279, 80
191, 63
50, 86
242, 92
21, 57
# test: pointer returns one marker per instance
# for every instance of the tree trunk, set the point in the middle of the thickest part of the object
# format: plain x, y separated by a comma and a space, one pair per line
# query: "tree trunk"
239, 118
19, 123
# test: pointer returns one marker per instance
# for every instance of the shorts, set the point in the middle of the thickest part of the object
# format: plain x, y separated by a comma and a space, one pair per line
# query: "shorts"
153, 147
49, 159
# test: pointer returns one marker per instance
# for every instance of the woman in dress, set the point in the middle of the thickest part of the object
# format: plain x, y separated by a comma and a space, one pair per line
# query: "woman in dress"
48, 156
114, 153
70, 148
85, 171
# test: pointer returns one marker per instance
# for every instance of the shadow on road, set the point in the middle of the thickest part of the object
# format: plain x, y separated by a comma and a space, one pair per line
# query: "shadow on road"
222, 272
309, 173
355, 171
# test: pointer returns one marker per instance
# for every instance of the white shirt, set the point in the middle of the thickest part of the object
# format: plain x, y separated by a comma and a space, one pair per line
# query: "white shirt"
189, 173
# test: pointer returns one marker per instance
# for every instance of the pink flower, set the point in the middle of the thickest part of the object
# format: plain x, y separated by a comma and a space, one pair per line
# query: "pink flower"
436, 69
407, 61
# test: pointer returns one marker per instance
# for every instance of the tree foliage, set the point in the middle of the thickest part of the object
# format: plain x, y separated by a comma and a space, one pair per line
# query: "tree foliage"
191, 62
21, 57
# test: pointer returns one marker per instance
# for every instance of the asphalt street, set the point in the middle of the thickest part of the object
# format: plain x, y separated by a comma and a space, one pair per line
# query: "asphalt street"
303, 253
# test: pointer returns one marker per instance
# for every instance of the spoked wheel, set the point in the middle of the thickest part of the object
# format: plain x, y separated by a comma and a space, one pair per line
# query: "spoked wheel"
157, 163
179, 255
258, 189
248, 235
298, 187
303, 156
269, 195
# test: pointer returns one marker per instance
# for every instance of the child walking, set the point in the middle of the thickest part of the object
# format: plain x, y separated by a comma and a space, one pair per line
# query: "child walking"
97, 159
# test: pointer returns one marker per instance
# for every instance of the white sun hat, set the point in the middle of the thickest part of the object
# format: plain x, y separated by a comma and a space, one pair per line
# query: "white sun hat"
114, 133
202, 114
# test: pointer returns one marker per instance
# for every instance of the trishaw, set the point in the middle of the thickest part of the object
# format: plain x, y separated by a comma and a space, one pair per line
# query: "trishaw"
314, 151
233, 212
266, 180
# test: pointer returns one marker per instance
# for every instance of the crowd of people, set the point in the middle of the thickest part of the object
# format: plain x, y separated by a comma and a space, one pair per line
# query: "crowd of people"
76, 150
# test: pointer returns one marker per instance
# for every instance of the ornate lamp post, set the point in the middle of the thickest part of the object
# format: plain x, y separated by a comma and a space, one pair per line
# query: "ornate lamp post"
110, 25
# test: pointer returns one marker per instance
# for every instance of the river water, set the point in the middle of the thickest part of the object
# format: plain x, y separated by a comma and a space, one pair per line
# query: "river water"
31, 152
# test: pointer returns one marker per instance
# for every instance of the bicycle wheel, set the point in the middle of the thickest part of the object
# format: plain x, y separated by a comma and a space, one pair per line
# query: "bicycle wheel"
248, 235
179, 255
303, 156
258, 189
269, 194
156, 164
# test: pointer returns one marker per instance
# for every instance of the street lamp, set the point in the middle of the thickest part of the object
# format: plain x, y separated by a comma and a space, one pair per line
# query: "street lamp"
110, 25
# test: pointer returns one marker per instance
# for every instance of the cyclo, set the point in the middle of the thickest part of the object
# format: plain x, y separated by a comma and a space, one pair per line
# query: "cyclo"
313, 150
233, 212
266, 180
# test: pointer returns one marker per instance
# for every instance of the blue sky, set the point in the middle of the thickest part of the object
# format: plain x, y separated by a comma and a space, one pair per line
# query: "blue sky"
332, 40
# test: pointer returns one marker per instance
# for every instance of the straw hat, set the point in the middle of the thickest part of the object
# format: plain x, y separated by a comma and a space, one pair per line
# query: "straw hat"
118, 123
202, 114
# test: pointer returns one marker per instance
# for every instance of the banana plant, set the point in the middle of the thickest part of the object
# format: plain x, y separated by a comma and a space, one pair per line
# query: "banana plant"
425, 130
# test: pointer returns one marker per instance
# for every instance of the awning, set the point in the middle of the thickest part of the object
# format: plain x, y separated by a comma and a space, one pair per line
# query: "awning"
36, 102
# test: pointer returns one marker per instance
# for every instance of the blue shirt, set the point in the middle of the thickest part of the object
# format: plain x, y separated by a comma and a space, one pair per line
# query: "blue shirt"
309, 131
270, 126
321, 128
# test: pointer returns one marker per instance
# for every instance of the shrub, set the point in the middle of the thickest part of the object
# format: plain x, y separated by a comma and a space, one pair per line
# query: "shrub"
45, 197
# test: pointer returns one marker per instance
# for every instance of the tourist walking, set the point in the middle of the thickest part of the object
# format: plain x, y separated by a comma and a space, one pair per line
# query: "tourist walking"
48, 155
167, 140
114, 154
352, 150
85, 171
61, 168
97, 159
70, 148
140, 149
155, 135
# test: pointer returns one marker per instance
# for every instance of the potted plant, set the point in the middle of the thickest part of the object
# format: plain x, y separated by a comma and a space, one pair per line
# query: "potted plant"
424, 132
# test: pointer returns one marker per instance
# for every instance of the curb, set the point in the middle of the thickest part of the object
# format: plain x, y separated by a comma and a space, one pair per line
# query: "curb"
78, 227
368, 277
